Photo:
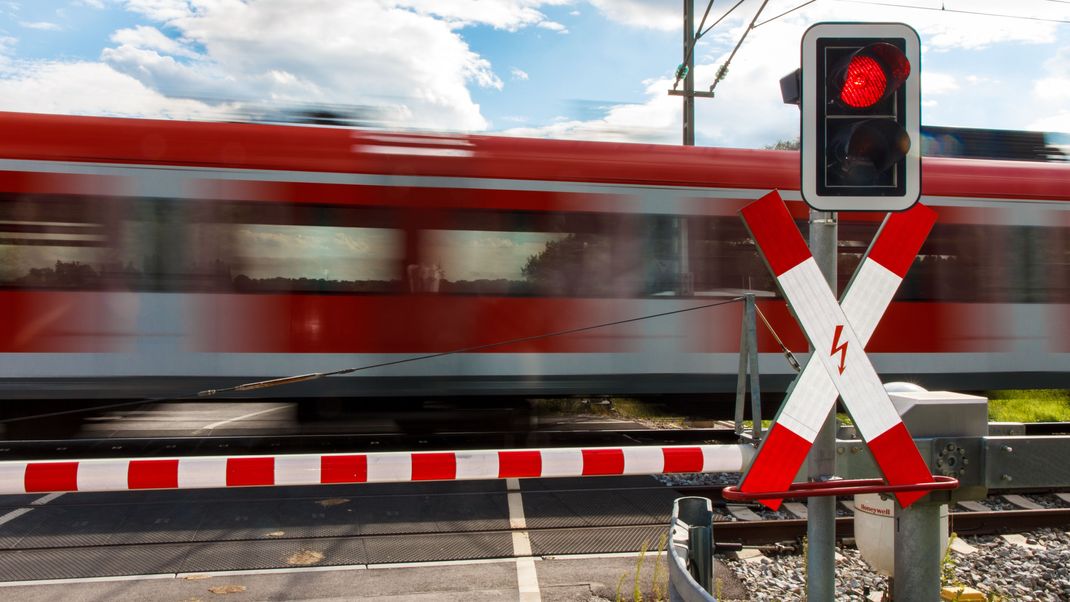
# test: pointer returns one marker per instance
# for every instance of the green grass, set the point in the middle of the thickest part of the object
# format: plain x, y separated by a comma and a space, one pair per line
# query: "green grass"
1020, 405
1011, 405
617, 407
1024, 405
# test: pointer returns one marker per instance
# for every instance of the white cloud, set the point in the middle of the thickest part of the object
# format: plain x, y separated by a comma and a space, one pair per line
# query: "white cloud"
406, 58
1052, 94
509, 15
518, 74
552, 26
654, 122
91, 3
50, 87
933, 83
163, 10
41, 25
1059, 122
943, 37
666, 15
150, 38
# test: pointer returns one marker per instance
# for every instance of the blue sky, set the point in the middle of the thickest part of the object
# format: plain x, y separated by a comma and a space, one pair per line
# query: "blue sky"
584, 69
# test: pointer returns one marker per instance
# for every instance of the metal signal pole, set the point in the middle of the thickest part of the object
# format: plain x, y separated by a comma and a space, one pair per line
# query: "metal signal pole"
689, 79
688, 67
821, 463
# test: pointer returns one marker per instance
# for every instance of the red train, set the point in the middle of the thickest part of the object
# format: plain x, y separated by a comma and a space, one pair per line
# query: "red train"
144, 258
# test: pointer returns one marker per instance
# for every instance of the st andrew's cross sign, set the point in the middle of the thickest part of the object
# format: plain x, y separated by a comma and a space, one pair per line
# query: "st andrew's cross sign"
838, 333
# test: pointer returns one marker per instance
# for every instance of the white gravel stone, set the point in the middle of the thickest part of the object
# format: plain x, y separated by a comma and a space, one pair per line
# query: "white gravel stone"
997, 568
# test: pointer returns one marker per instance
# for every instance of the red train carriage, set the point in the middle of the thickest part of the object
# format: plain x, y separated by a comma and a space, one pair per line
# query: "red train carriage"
161, 257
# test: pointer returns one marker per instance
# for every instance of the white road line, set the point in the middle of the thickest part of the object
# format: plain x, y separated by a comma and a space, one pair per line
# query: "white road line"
216, 425
46, 499
527, 578
10, 516
17, 512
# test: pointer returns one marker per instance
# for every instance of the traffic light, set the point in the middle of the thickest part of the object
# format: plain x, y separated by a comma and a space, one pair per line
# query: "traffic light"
861, 114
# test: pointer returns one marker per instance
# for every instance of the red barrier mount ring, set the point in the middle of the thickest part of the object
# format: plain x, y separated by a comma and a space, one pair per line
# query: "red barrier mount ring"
838, 487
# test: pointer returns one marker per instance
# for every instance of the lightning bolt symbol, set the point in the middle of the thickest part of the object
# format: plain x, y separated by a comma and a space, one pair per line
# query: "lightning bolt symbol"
842, 349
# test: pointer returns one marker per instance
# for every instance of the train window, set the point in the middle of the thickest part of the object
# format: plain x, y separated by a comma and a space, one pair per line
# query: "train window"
1055, 250
59, 242
979, 263
530, 253
315, 258
154, 240
488, 262
290, 248
724, 260
1039, 264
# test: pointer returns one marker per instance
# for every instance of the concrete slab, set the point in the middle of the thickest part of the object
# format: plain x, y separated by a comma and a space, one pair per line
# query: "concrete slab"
1022, 502
961, 547
974, 506
797, 509
742, 512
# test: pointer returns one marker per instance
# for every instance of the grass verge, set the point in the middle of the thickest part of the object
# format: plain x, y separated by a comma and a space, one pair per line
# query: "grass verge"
1029, 405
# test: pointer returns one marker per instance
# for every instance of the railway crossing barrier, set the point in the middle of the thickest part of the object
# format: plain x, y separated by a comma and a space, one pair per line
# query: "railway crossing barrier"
201, 472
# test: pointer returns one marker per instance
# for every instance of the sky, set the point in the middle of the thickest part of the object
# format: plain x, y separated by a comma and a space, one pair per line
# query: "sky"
576, 69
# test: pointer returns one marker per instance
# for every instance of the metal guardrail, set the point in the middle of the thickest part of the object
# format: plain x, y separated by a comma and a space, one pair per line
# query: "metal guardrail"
691, 550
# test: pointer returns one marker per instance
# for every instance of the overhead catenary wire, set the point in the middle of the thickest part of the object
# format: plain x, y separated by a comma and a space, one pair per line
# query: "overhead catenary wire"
787, 12
944, 9
703, 32
783, 348
723, 70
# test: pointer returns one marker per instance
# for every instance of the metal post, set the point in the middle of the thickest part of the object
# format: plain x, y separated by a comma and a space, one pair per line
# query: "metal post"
748, 365
917, 551
689, 79
821, 463
752, 361
741, 376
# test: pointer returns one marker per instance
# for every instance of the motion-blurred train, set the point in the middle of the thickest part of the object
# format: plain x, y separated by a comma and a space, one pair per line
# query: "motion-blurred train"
150, 258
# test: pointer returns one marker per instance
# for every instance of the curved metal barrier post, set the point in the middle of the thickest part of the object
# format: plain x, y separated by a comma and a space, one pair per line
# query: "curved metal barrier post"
691, 550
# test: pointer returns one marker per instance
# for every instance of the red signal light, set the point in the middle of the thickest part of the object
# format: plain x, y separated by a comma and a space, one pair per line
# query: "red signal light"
894, 60
864, 83
871, 74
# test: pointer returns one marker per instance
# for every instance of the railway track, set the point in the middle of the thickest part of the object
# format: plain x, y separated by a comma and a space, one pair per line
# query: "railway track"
731, 523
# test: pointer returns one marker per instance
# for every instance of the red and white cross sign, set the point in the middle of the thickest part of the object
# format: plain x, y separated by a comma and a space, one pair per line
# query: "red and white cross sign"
838, 333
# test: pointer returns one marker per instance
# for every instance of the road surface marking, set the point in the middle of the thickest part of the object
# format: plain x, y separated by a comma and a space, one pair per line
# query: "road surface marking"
527, 578
41, 501
216, 425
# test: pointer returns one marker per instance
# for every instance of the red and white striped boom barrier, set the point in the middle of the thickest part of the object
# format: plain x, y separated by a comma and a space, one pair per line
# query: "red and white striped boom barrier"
135, 474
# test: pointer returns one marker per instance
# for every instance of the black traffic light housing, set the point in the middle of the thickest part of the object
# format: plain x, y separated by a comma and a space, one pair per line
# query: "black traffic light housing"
860, 97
